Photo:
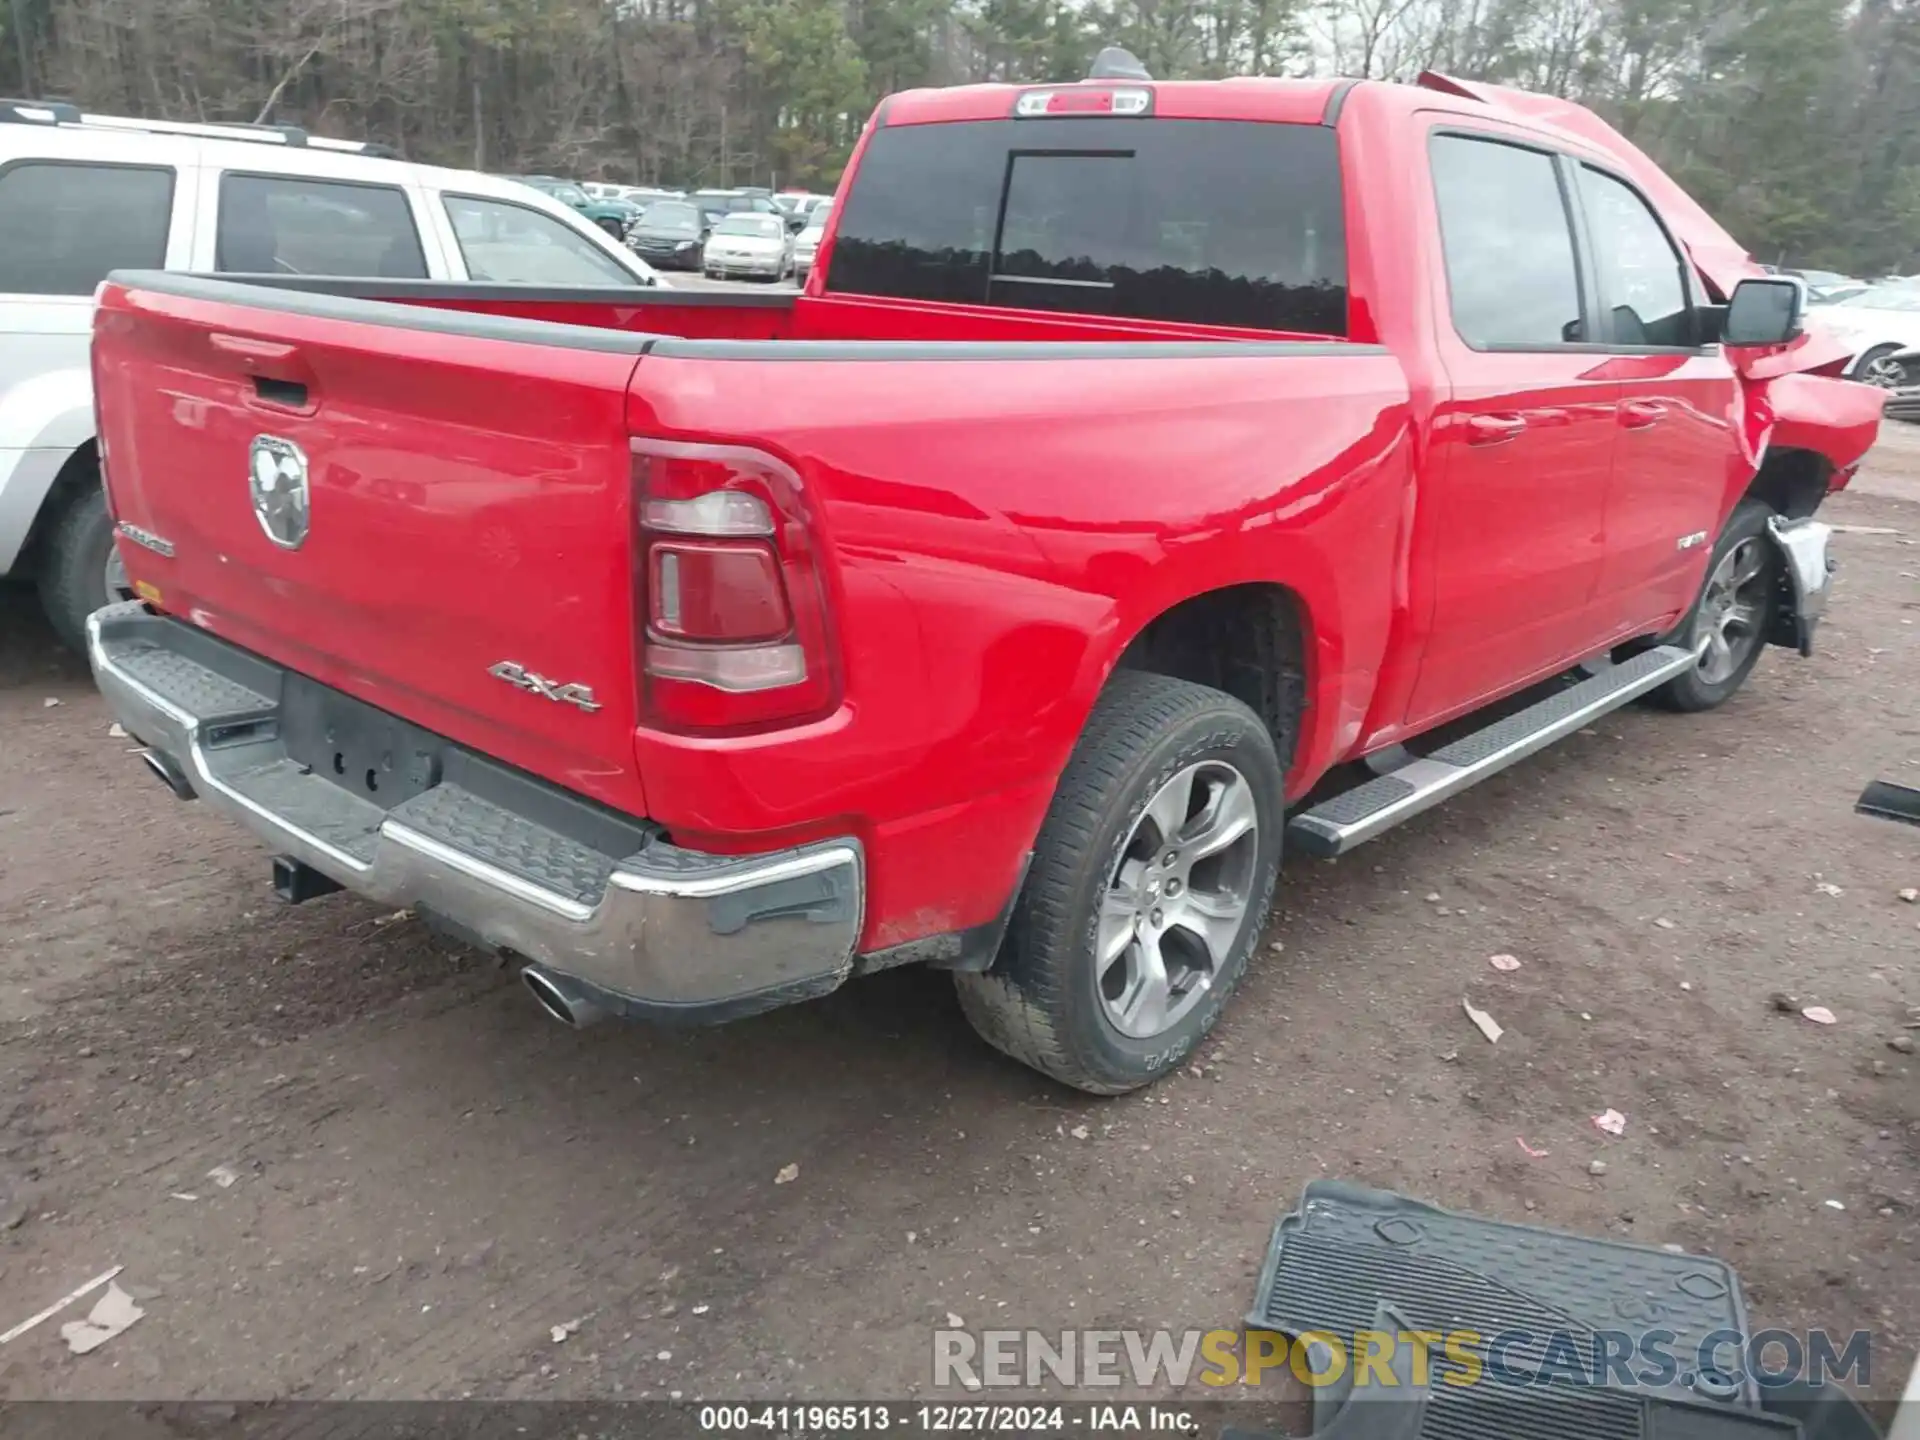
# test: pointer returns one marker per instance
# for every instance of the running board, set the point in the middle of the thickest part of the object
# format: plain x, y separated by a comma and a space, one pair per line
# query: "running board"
1335, 826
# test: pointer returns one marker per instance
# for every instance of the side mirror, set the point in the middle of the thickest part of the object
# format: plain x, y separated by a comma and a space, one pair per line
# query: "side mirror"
1765, 311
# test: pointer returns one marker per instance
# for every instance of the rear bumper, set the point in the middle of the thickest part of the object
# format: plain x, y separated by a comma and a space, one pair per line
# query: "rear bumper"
647, 929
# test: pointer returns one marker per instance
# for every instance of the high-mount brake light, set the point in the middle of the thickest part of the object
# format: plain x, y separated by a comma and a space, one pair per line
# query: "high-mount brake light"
1084, 100
730, 606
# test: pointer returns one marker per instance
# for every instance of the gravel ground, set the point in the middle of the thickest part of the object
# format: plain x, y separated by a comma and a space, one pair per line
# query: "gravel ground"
425, 1177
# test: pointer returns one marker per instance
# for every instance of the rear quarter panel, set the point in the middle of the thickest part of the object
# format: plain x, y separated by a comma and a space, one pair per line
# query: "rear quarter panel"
1000, 529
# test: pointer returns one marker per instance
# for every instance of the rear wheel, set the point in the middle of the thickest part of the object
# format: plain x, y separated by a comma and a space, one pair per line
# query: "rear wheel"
80, 567
1729, 620
1149, 886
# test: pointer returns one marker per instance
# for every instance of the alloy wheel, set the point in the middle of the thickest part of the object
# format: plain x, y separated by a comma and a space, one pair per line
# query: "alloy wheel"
114, 576
1732, 610
1177, 902
1885, 372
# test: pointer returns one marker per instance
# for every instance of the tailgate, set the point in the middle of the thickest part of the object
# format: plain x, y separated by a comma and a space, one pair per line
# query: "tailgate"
466, 506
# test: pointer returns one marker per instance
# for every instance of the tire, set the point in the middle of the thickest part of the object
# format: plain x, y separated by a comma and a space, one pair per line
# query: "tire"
1047, 1002
1713, 681
74, 562
1873, 370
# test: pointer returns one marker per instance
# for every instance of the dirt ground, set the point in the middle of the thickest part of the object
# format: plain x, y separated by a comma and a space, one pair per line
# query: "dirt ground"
426, 1176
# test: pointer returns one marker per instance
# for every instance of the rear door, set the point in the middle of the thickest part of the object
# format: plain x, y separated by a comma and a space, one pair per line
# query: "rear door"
74, 206
1678, 456
262, 218
1523, 442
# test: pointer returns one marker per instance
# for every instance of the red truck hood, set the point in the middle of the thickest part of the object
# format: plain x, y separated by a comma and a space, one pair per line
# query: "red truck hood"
1722, 259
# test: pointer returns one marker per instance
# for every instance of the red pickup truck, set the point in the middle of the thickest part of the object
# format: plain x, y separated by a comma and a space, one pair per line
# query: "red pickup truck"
1148, 474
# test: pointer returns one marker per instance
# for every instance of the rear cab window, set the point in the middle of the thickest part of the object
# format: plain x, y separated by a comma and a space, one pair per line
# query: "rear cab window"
1207, 222
293, 225
65, 225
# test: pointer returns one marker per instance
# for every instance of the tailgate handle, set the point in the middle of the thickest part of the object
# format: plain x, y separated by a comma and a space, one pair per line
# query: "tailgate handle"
290, 393
280, 374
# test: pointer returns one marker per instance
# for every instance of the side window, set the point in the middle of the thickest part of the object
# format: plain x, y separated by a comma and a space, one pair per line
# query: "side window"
1642, 277
286, 225
508, 244
63, 227
1511, 274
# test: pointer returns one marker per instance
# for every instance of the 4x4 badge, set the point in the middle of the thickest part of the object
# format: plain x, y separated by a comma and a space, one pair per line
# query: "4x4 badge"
525, 679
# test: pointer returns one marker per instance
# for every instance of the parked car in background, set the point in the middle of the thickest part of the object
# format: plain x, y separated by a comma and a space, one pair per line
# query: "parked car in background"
752, 246
669, 233
84, 194
799, 206
1822, 280
1903, 401
1827, 287
645, 195
611, 215
806, 244
1875, 326
1000, 602
716, 204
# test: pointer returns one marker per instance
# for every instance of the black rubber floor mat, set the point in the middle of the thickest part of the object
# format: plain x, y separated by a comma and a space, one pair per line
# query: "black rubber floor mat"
1348, 1249
1491, 1412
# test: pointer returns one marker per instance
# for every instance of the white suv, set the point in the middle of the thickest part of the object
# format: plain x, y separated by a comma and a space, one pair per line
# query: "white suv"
83, 195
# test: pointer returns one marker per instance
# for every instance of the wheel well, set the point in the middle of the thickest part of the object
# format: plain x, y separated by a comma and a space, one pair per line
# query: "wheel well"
1793, 482
1248, 640
82, 469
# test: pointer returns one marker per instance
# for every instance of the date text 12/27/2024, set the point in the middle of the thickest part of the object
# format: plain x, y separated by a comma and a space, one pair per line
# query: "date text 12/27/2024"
943, 1419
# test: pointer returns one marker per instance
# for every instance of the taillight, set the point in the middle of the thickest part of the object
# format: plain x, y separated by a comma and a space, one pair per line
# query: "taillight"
731, 604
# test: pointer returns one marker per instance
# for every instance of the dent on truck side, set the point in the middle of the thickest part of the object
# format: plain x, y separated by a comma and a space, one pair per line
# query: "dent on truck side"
1835, 420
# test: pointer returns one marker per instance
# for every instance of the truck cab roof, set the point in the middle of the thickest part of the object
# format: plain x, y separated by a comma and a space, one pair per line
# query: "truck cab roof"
1327, 101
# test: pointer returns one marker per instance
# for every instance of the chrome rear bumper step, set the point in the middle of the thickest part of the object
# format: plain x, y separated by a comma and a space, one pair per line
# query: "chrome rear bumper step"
1354, 816
616, 917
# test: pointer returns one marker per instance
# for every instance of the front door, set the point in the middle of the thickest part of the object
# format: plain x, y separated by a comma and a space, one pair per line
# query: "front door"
1523, 435
1678, 456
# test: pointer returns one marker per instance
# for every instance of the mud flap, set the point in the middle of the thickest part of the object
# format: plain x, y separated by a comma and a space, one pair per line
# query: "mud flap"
1801, 598
1529, 1327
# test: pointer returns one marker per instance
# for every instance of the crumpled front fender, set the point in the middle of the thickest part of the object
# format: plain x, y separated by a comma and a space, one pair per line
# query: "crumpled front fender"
1837, 420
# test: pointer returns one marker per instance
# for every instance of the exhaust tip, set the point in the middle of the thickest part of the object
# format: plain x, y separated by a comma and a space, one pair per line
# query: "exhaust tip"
171, 775
561, 999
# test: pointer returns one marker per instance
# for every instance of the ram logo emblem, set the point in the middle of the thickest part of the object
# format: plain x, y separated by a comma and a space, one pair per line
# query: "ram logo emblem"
277, 480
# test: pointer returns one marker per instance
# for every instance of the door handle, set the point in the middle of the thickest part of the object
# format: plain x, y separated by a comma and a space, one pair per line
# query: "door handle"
1639, 414
1494, 429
